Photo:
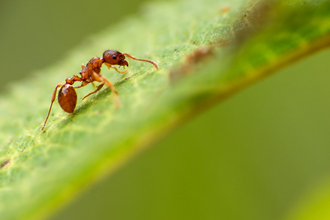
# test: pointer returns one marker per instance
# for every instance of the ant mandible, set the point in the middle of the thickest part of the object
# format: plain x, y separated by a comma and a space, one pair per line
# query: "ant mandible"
67, 96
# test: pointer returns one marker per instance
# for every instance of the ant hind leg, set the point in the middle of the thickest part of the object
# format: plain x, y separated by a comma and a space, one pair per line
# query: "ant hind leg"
84, 83
51, 104
97, 89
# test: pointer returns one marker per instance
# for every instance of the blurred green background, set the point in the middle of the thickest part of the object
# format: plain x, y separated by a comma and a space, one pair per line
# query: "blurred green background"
255, 156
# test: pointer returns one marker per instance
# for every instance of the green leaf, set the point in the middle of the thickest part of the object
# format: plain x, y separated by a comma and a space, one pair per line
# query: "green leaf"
314, 206
206, 51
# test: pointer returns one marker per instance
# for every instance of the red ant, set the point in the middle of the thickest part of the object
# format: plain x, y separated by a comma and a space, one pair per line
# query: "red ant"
67, 96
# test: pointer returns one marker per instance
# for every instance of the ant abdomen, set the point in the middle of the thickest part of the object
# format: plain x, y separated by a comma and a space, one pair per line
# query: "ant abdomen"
67, 98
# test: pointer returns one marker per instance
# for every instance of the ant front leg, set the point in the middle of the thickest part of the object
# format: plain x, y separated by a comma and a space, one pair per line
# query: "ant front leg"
51, 105
119, 71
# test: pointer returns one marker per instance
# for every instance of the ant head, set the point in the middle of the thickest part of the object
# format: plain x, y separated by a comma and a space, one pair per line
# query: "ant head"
114, 57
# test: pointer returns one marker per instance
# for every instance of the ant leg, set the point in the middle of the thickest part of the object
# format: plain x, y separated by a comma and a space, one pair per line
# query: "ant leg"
103, 79
110, 66
149, 61
119, 71
97, 89
51, 105
84, 83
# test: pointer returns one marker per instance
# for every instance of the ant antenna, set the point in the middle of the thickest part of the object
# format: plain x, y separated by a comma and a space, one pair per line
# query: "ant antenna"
134, 58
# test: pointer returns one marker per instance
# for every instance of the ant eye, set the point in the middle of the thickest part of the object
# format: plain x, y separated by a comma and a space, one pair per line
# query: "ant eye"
114, 57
